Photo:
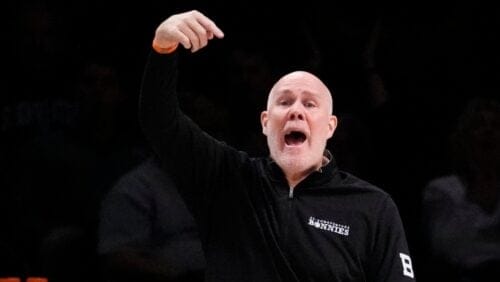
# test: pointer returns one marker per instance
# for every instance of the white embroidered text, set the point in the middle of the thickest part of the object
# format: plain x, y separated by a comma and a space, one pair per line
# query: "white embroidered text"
329, 226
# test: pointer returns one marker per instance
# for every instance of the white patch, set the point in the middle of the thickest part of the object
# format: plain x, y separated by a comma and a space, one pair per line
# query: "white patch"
407, 268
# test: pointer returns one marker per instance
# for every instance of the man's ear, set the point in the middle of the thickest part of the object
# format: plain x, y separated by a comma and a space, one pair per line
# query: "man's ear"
263, 121
332, 125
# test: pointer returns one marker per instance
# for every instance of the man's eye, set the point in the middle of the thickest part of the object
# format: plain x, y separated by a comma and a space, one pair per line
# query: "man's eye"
310, 105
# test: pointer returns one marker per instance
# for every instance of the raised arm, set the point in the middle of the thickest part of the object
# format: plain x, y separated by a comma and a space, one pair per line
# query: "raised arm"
159, 112
185, 149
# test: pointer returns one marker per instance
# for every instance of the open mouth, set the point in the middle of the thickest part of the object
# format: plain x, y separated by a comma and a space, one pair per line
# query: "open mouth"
295, 138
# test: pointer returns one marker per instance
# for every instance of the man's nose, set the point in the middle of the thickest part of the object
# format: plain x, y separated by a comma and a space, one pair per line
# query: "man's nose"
296, 112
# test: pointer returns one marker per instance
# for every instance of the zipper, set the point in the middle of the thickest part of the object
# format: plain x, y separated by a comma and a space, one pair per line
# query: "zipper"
286, 223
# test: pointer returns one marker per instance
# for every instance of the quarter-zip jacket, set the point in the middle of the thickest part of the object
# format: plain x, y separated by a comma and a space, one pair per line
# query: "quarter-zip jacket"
331, 227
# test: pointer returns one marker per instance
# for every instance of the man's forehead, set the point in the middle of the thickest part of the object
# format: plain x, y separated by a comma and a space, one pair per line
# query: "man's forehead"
300, 87
302, 81
299, 75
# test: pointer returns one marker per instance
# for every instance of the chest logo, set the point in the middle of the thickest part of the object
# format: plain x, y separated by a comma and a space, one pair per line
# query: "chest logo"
329, 226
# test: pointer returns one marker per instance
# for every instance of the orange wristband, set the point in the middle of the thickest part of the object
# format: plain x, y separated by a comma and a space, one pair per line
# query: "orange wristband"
37, 279
164, 50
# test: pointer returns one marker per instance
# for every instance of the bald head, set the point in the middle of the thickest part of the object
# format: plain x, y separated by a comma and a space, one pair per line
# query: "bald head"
301, 81
298, 123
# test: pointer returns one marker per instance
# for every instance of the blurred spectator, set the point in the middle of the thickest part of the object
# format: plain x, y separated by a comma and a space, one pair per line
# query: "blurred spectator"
461, 211
146, 232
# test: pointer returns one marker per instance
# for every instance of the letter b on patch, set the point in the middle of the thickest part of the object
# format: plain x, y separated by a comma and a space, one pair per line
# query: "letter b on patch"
407, 268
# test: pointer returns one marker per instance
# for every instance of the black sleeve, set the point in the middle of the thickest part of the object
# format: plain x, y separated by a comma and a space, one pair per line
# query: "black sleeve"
158, 104
390, 260
200, 164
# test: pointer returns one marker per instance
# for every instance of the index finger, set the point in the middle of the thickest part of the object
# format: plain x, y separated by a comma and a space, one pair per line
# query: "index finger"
210, 26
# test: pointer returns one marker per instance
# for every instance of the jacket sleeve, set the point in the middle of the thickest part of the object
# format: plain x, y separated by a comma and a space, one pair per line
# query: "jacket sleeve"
200, 164
390, 259
158, 104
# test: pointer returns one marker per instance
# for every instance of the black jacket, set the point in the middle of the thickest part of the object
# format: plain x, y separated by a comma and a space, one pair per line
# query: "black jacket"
333, 227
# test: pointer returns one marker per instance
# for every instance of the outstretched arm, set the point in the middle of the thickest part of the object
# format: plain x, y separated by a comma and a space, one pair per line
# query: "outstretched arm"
187, 151
191, 29
159, 111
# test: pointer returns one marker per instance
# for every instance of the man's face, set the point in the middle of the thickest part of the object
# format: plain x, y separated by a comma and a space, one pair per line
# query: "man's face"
298, 122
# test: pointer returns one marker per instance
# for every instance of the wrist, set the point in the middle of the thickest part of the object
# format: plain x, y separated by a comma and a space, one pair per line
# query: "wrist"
164, 48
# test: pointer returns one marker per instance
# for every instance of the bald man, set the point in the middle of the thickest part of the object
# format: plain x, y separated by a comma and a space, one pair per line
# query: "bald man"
290, 216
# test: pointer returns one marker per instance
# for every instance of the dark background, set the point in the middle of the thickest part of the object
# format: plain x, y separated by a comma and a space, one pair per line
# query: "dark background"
68, 116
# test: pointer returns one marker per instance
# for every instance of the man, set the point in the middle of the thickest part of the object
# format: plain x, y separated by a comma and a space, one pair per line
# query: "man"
293, 216
146, 232
461, 210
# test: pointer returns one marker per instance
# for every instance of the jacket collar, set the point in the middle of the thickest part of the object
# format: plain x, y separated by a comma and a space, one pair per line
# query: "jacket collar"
327, 172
